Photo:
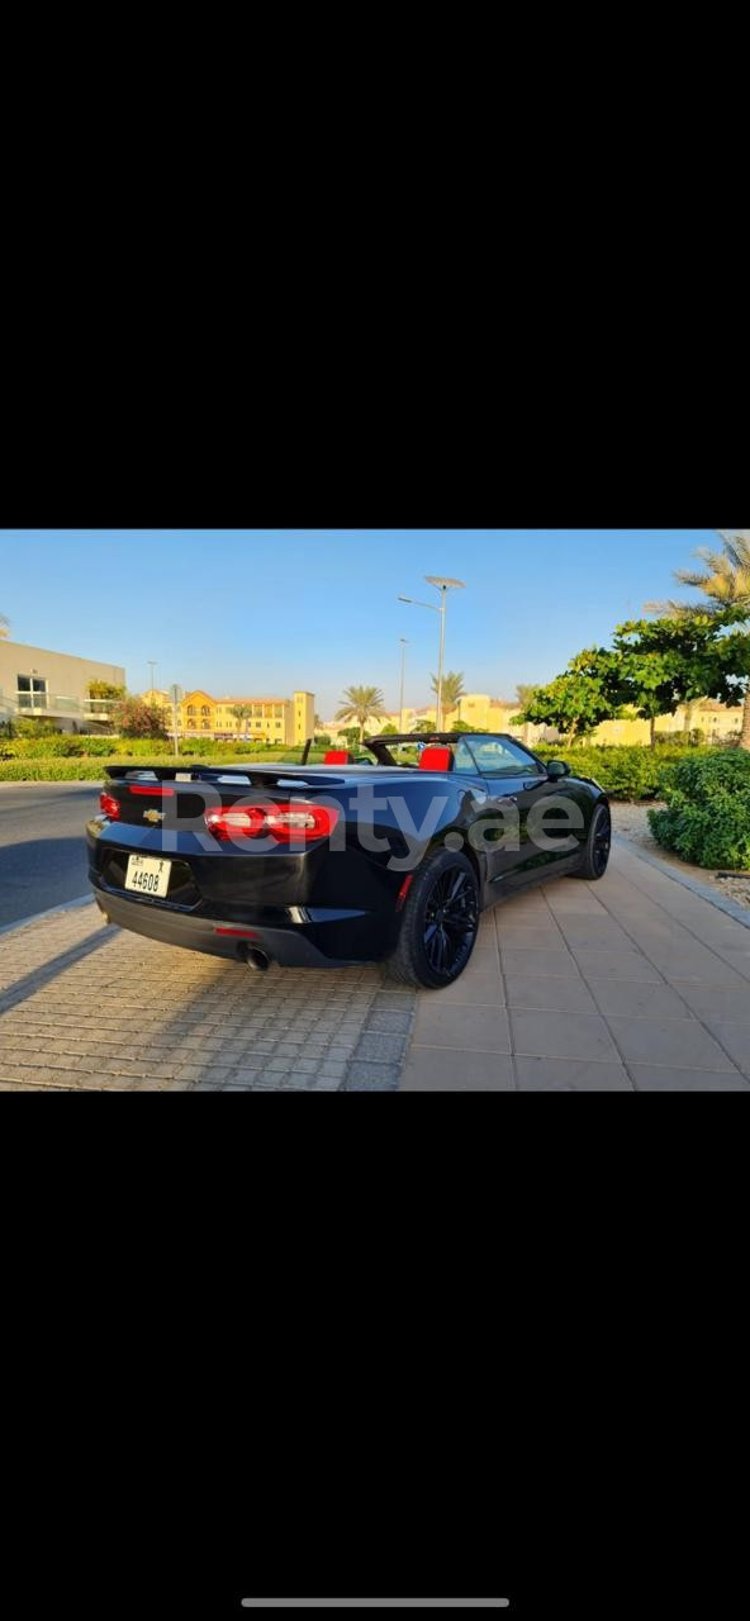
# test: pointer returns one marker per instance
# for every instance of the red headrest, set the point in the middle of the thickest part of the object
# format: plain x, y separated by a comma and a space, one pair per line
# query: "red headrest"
336, 757
435, 759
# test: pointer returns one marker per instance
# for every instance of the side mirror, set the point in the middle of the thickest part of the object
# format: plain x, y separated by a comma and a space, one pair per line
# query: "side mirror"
557, 768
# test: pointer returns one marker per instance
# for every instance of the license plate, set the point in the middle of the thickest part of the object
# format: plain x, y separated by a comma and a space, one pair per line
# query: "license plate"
148, 874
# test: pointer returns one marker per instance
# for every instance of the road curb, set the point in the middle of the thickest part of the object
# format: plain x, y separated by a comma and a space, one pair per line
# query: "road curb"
53, 911
741, 914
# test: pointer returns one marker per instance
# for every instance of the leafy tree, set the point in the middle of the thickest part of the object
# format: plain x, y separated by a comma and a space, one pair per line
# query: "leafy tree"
104, 689
360, 704
724, 579
351, 733
423, 726
241, 713
388, 731
652, 668
453, 691
679, 659
589, 691
133, 717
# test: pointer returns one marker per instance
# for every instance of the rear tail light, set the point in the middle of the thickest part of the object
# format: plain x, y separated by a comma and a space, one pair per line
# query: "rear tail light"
110, 806
284, 823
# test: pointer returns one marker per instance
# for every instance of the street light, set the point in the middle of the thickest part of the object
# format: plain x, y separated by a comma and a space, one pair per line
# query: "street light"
404, 644
443, 585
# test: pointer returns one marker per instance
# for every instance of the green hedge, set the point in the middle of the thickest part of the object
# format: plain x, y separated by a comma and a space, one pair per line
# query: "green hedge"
707, 820
93, 770
75, 747
52, 770
626, 771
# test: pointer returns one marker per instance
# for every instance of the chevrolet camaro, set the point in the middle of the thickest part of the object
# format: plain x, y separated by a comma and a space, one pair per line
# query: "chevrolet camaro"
390, 856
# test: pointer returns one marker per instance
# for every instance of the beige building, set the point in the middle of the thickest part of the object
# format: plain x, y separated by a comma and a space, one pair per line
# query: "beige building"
476, 709
37, 684
268, 720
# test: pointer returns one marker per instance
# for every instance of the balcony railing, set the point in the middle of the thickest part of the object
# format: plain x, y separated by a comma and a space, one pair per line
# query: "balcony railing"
99, 708
47, 703
56, 705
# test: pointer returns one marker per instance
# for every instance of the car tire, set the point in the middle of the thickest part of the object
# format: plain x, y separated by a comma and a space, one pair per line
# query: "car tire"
439, 923
596, 855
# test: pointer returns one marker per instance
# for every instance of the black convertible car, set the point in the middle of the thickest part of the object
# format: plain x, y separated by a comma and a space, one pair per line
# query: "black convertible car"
321, 865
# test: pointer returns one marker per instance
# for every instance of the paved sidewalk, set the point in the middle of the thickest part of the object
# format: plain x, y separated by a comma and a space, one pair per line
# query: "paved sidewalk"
85, 1006
632, 983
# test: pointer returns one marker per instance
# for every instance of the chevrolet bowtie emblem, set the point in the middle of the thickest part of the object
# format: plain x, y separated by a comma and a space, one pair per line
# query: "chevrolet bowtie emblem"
153, 816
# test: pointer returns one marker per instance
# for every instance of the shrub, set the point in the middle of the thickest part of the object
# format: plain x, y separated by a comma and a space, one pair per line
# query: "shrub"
35, 728
625, 771
707, 820
134, 718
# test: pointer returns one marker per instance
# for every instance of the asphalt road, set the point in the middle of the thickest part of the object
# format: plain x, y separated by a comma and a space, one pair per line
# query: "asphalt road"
42, 848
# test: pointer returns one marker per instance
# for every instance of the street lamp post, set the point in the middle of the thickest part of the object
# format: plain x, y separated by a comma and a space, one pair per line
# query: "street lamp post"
404, 644
443, 585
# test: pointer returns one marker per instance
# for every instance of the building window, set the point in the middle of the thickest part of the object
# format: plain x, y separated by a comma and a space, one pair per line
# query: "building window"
32, 692
258, 710
278, 709
206, 725
205, 709
277, 724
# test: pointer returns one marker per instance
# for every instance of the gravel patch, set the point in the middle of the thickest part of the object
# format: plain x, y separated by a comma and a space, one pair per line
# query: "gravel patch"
631, 819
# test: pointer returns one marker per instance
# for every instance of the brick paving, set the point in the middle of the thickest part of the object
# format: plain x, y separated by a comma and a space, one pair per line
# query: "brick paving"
632, 984
86, 1006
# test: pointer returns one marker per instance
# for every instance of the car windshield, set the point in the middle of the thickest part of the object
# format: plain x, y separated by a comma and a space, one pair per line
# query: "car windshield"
496, 757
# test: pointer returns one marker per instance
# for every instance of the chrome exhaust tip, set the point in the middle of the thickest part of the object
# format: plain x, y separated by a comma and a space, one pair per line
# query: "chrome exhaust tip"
256, 960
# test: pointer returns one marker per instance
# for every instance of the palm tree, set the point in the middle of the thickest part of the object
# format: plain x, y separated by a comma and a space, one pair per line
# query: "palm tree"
725, 580
4, 626
359, 703
524, 693
453, 691
241, 712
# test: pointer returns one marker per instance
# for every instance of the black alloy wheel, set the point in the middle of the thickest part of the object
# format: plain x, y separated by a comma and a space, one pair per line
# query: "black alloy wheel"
440, 922
598, 845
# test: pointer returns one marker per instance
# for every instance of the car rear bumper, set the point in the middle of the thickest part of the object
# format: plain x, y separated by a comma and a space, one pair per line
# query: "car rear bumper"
331, 942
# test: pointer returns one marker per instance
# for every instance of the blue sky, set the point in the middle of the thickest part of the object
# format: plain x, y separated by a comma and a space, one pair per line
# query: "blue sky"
242, 612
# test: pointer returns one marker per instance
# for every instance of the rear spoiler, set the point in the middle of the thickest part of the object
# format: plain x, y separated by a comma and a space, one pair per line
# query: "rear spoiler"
199, 773
223, 776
